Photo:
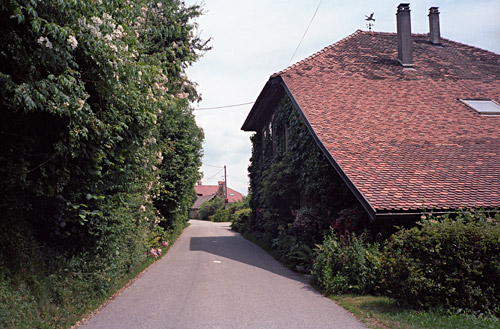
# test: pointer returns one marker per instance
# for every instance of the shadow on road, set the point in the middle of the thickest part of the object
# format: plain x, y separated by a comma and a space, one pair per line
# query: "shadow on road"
237, 248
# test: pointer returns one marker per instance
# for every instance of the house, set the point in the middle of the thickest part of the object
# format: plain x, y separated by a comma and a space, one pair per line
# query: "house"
206, 193
408, 122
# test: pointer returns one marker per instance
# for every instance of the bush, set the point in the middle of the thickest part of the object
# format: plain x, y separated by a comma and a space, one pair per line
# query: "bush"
347, 264
453, 264
240, 220
209, 208
221, 215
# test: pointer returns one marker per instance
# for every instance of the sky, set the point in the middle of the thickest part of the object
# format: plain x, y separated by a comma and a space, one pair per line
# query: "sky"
253, 39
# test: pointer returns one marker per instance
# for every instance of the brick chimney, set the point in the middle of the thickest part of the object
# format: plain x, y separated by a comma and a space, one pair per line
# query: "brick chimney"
405, 47
434, 32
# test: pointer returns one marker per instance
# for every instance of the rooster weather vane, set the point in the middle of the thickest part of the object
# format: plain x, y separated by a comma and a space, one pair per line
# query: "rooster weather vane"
369, 19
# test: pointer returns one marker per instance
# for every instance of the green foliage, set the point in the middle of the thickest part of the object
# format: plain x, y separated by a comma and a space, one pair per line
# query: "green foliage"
450, 263
210, 207
221, 215
347, 264
100, 150
240, 219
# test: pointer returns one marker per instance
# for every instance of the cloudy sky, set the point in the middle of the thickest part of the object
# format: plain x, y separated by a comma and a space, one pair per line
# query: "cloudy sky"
253, 39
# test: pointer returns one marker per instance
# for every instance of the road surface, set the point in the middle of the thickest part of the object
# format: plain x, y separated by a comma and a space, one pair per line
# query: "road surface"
214, 278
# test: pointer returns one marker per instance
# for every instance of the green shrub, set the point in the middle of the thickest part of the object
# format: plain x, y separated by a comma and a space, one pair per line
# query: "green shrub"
293, 251
452, 264
347, 264
210, 207
240, 220
221, 215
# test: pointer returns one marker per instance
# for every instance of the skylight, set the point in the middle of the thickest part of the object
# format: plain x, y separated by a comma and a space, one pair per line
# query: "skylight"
483, 106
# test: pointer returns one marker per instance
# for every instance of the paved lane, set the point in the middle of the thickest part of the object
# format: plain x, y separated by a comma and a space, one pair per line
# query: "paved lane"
214, 278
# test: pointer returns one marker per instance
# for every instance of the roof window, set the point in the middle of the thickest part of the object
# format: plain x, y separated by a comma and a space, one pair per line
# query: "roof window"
483, 106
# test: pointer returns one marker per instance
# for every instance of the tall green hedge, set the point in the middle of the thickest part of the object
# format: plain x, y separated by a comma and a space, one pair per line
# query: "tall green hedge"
99, 149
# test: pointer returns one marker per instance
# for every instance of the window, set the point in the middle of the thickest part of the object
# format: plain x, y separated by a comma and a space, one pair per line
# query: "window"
232, 194
483, 106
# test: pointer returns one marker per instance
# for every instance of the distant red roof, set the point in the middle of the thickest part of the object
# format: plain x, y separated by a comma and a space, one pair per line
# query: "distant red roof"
400, 138
209, 190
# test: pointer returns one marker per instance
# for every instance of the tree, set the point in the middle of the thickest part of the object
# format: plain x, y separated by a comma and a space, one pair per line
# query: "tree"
98, 144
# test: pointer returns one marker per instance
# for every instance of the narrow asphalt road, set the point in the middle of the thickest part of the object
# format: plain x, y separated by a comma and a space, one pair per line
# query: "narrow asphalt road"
214, 278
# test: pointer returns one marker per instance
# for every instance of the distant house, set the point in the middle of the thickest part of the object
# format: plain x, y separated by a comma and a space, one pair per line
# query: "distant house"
205, 193
408, 122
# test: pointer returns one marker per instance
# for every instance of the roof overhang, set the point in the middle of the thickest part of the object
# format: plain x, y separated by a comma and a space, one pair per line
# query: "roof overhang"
263, 108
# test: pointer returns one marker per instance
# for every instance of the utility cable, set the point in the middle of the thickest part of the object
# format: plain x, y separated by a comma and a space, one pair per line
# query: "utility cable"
221, 107
206, 179
212, 165
307, 29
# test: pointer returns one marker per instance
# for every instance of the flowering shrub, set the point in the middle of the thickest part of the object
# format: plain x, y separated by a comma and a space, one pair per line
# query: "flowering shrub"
99, 144
155, 252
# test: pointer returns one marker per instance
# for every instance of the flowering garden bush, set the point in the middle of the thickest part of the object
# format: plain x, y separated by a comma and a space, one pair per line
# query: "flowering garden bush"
98, 146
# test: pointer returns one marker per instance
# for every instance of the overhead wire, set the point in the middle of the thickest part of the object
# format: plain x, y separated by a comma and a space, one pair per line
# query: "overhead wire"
206, 179
307, 29
221, 107
206, 164
291, 58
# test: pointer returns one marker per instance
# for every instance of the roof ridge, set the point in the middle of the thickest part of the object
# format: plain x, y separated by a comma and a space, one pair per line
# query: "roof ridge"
468, 45
358, 31
336, 44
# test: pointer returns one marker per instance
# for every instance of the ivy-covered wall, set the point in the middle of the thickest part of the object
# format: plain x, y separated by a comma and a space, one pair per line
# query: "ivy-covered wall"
296, 193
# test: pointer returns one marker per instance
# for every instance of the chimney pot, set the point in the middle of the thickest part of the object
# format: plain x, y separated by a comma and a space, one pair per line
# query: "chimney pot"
405, 47
434, 32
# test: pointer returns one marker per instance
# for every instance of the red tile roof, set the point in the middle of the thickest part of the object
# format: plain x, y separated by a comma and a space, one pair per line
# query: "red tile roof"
209, 190
401, 137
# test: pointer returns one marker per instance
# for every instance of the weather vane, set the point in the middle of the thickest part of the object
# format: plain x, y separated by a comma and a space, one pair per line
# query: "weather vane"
369, 19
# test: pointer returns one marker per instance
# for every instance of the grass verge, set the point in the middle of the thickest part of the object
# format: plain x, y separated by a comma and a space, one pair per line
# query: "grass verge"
383, 312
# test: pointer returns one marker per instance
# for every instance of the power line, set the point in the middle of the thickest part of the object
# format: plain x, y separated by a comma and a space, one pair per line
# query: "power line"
206, 179
212, 165
307, 29
221, 107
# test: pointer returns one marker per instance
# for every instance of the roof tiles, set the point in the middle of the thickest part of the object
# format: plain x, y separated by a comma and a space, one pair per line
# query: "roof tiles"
401, 135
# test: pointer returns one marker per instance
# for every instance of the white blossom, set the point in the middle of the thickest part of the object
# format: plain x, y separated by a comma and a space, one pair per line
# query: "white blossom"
44, 41
106, 17
182, 95
80, 102
82, 21
72, 41
96, 20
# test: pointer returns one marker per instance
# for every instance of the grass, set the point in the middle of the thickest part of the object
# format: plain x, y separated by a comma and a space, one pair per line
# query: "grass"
383, 312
